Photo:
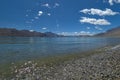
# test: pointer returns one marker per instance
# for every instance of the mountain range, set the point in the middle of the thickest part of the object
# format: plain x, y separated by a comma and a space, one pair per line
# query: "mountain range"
115, 32
25, 33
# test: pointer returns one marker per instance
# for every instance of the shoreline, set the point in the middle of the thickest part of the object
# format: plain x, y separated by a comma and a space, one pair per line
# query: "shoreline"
64, 68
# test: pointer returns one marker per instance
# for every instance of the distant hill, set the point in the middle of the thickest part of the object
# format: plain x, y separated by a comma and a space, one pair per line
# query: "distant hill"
50, 34
24, 33
115, 32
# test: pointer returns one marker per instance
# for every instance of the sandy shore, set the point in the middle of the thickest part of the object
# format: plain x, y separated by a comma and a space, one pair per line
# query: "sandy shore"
104, 65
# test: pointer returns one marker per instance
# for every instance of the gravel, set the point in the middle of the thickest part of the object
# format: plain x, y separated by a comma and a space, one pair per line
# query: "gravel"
100, 66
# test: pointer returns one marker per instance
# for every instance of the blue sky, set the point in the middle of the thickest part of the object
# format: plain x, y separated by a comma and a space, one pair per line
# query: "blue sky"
68, 17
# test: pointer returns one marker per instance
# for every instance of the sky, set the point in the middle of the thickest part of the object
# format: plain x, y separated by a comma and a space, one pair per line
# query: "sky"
66, 17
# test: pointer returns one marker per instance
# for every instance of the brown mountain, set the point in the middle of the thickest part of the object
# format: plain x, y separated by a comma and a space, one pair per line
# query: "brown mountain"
23, 33
115, 32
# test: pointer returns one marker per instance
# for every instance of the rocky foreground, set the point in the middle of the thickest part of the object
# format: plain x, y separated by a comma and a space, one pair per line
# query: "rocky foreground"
100, 66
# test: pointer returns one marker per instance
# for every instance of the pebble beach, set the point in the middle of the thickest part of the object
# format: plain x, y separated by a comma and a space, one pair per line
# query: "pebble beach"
100, 66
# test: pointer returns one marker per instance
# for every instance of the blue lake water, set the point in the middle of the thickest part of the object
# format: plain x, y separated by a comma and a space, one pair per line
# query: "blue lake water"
25, 48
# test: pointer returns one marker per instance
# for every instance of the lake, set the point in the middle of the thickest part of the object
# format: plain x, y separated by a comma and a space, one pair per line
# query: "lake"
24, 48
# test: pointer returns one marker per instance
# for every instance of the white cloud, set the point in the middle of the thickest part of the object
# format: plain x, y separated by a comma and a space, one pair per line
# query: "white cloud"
84, 33
49, 14
31, 30
88, 27
94, 21
36, 17
44, 28
111, 2
40, 13
46, 5
92, 11
98, 28
56, 5
75, 33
